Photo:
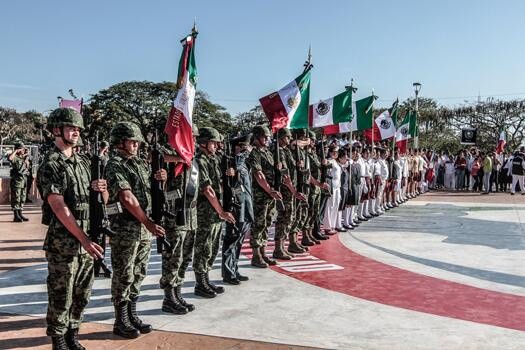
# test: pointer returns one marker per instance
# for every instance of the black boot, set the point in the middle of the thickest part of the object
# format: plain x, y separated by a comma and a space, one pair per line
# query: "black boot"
59, 342
202, 288
178, 295
72, 339
16, 217
123, 326
135, 320
22, 216
217, 289
171, 303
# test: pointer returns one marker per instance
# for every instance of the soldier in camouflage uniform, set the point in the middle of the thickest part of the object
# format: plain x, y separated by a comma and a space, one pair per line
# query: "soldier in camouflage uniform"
128, 179
210, 213
63, 180
314, 199
19, 173
180, 231
286, 213
262, 165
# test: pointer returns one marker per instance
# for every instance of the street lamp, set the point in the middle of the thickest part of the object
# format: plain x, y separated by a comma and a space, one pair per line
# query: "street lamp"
417, 88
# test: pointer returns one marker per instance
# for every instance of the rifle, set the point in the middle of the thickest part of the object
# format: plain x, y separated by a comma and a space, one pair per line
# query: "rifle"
229, 200
159, 204
324, 167
98, 216
277, 175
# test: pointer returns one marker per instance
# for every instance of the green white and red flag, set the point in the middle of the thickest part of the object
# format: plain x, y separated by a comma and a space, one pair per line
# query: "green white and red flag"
335, 110
361, 118
179, 124
403, 132
501, 142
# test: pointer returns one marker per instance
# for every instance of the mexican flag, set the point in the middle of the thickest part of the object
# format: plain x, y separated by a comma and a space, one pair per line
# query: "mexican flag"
288, 107
501, 143
335, 110
384, 126
413, 125
178, 127
403, 133
361, 118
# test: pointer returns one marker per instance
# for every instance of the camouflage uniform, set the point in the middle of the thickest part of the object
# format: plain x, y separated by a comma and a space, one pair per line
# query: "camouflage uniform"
286, 214
301, 211
70, 268
314, 199
131, 244
19, 173
261, 159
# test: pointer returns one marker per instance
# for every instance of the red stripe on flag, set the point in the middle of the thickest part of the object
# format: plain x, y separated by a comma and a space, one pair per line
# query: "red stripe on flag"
275, 111
181, 138
331, 129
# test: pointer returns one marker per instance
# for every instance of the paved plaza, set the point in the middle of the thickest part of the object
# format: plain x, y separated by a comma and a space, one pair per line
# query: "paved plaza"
443, 271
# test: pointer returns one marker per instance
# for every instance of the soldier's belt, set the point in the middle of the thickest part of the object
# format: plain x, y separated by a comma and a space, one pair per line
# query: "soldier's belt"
173, 195
114, 208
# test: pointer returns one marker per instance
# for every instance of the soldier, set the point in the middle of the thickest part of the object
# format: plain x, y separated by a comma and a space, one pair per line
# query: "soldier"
128, 179
64, 182
241, 186
210, 213
285, 214
180, 231
262, 165
19, 173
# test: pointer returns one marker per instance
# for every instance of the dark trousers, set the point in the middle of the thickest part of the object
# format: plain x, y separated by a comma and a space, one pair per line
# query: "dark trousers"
231, 248
322, 209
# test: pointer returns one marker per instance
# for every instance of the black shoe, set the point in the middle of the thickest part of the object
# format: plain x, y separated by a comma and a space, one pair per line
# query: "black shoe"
233, 281
320, 237
173, 307
242, 278
134, 319
216, 289
177, 292
202, 288
123, 326
16, 217
347, 227
71, 338
368, 217
22, 216
341, 230
59, 342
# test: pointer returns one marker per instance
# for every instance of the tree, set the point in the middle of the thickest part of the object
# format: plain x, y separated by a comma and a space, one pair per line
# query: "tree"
245, 121
19, 126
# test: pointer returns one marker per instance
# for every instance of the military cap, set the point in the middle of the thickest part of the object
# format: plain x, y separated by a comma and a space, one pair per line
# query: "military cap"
64, 117
284, 132
208, 134
104, 144
194, 130
18, 144
261, 130
311, 134
125, 131
301, 132
243, 140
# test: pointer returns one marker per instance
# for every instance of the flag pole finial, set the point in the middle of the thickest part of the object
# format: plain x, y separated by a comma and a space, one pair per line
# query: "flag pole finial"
308, 64
194, 30
351, 87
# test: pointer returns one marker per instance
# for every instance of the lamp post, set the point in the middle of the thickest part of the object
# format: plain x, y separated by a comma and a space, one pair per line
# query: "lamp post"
417, 88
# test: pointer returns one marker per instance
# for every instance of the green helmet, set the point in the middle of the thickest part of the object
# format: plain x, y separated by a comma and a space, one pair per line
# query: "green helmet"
312, 134
284, 132
104, 144
301, 132
261, 130
208, 134
64, 117
125, 131
18, 144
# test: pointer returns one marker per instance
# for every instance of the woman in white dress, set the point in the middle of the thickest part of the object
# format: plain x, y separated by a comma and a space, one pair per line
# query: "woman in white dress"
332, 206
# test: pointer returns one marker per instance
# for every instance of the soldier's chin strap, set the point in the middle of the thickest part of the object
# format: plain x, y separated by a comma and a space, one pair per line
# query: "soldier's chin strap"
69, 143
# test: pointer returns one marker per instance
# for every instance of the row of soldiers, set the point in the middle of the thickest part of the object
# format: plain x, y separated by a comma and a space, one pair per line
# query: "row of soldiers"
290, 182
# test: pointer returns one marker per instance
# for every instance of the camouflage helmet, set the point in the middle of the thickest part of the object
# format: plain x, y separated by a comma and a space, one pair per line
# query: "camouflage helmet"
104, 144
208, 134
301, 133
194, 130
125, 131
284, 132
261, 130
18, 144
311, 134
64, 117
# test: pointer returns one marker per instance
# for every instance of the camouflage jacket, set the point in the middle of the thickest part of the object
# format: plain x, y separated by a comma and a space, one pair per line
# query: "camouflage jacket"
303, 174
261, 159
70, 178
209, 175
315, 169
19, 171
128, 174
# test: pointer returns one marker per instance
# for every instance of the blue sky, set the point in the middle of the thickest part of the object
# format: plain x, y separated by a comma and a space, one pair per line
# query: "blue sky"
247, 49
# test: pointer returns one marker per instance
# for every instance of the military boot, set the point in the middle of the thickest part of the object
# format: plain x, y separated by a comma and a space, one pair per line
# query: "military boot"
178, 295
17, 217
21, 215
257, 259
266, 259
72, 339
202, 288
59, 342
135, 320
285, 250
293, 247
312, 238
217, 289
123, 326
278, 251
172, 304
306, 240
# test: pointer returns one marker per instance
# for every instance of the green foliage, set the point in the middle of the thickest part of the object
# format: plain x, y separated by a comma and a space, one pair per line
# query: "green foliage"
25, 126
244, 122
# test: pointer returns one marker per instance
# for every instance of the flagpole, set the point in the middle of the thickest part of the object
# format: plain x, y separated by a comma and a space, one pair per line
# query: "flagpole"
373, 98
352, 90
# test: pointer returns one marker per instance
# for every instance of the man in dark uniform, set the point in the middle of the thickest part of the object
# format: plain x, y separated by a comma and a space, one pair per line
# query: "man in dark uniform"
241, 186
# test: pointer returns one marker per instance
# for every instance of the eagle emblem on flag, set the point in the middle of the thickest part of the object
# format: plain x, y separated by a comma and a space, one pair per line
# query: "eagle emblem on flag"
322, 108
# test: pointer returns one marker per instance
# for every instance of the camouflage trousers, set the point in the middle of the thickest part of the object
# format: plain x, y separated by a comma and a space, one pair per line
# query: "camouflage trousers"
129, 260
206, 247
314, 200
285, 216
264, 209
175, 261
18, 197
69, 282
301, 216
